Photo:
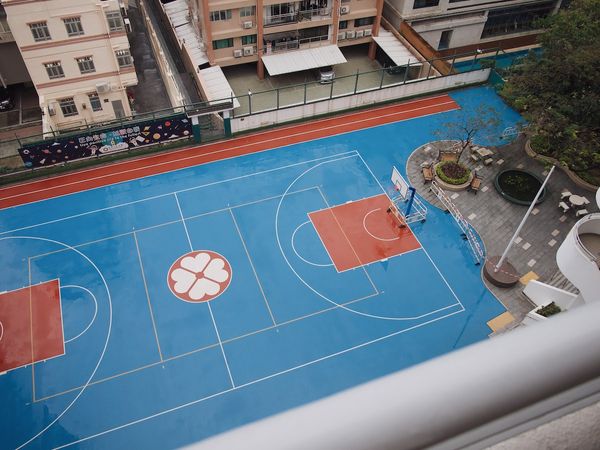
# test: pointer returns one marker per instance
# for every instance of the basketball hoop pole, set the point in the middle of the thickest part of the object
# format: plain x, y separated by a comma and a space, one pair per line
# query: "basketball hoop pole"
410, 201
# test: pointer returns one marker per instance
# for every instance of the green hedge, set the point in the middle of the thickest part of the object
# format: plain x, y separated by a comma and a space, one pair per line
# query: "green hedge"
449, 166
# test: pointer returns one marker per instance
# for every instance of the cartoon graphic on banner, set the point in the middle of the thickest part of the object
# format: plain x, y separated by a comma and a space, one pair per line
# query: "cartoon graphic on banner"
105, 142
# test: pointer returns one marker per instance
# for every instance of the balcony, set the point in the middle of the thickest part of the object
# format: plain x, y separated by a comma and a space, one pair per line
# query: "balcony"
297, 43
312, 14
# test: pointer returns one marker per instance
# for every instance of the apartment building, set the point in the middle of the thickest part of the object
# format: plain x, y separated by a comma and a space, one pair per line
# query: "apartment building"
243, 31
455, 25
78, 58
12, 67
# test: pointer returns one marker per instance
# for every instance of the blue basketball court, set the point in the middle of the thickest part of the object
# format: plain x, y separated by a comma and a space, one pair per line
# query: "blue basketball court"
202, 299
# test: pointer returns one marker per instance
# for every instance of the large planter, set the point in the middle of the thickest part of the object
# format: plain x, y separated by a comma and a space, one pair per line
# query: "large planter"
451, 187
519, 186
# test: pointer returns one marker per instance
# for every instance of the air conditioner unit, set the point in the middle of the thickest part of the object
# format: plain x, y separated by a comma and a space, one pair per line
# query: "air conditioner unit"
360, 33
127, 25
237, 53
367, 32
103, 88
345, 9
341, 36
350, 34
248, 51
51, 110
247, 24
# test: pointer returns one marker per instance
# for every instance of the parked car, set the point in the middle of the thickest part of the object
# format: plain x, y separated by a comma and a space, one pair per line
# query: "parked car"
325, 74
6, 102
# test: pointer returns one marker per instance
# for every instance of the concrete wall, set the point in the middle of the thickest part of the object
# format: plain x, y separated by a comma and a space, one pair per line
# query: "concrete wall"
409, 89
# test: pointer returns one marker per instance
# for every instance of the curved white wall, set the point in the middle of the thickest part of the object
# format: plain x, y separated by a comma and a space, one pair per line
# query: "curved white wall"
576, 263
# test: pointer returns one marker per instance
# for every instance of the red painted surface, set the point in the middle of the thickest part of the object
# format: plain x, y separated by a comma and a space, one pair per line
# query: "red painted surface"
165, 162
31, 327
362, 232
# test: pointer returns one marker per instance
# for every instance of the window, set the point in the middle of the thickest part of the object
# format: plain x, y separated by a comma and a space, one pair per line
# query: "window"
124, 58
343, 24
67, 106
73, 26
95, 101
248, 11
54, 70
222, 43
516, 19
425, 3
246, 40
445, 40
220, 15
364, 21
86, 64
115, 21
40, 31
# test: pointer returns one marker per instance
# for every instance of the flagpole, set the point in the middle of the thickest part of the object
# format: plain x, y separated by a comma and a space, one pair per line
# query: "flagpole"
512, 240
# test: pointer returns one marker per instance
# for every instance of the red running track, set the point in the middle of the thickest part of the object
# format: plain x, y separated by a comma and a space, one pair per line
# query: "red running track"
165, 162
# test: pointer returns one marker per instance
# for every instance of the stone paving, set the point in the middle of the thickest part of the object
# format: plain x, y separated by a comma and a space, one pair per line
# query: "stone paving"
496, 219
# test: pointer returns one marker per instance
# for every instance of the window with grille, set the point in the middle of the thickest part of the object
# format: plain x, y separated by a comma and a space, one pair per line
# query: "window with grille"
251, 39
73, 26
95, 102
67, 106
124, 58
425, 3
364, 21
40, 31
224, 14
248, 11
54, 70
343, 24
222, 43
86, 64
115, 21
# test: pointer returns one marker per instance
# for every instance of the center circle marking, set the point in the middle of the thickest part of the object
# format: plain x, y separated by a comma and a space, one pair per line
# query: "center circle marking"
199, 276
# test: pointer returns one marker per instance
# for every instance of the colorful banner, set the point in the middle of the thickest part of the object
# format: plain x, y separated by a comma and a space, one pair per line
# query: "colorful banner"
105, 142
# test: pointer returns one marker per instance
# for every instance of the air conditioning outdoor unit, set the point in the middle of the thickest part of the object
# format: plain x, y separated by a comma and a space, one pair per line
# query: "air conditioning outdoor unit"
127, 25
237, 53
368, 32
247, 24
248, 51
341, 36
103, 88
360, 33
350, 34
345, 9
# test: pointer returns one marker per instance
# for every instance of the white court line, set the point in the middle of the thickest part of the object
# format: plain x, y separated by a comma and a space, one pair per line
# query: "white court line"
229, 149
154, 197
1, 331
143, 273
208, 302
424, 250
258, 380
74, 286
252, 266
324, 297
371, 234
298, 254
60, 415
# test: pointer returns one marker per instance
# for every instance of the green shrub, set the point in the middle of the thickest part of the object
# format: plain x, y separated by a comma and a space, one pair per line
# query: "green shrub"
452, 173
549, 310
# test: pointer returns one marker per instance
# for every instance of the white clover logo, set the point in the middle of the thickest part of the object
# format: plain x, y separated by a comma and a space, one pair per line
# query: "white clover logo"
199, 276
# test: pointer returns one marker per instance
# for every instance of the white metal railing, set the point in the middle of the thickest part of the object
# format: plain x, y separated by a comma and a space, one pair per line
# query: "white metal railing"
471, 398
278, 19
296, 44
460, 221
296, 16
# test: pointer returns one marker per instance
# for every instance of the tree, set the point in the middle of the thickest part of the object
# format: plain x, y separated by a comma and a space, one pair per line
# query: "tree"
558, 91
467, 126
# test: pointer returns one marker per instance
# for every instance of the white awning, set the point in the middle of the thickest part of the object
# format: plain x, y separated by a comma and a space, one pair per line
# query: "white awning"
178, 15
296, 60
215, 86
395, 49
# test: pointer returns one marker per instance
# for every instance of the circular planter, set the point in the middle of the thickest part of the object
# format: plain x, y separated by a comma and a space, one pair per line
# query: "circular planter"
519, 186
452, 187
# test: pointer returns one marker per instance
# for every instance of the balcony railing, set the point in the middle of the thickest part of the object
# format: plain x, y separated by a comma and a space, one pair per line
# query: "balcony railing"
6, 36
297, 16
297, 44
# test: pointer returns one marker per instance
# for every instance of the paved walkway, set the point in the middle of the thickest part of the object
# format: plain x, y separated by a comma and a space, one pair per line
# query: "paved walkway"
496, 219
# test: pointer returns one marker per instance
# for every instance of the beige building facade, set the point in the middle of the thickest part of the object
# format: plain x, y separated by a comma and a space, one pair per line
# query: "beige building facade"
243, 31
78, 57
